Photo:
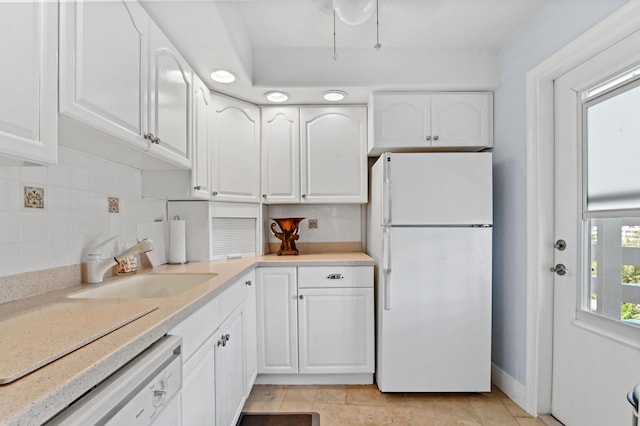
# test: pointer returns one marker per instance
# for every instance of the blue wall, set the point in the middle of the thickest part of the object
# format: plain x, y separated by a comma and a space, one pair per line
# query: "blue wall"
558, 23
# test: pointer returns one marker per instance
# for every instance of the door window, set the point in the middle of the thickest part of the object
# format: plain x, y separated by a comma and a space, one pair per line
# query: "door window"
611, 198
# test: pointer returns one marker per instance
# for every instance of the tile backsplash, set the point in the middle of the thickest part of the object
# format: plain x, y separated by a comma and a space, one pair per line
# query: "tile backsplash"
75, 212
335, 222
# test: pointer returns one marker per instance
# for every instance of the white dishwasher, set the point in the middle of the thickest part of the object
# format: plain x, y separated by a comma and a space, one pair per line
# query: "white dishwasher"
146, 391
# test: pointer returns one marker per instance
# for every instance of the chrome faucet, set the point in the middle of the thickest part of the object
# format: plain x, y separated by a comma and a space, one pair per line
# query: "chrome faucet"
97, 267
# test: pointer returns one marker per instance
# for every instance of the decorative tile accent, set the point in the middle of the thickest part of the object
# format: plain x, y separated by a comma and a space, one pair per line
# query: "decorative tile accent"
114, 205
33, 197
313, 223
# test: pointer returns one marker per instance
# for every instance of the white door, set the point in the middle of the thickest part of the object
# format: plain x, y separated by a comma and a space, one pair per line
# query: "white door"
235, 156
229, 360
202, 116
596, 347
462, 120
198, 386
333, 157
277, 321
28, 80
434, 311
280, 155
401, 120
170, 97
335, 330
103, 67
250, 336
439, 188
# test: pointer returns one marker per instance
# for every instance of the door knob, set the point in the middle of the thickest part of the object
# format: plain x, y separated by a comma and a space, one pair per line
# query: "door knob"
301, 297
559, 269
560, 245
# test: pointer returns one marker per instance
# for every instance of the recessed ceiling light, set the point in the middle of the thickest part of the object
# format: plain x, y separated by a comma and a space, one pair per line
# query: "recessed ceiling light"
334, 95
223, 76
276, 96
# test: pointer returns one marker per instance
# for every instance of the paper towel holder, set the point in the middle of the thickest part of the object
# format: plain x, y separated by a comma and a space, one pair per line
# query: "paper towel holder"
176, 217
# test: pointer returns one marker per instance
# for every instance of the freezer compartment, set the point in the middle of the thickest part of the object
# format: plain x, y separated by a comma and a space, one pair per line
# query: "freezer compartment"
438, 189
434, 310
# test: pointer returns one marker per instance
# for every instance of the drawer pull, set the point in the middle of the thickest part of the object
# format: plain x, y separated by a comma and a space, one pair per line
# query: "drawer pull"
335, 277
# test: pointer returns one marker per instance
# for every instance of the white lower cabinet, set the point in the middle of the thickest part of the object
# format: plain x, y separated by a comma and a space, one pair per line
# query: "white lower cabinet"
315, 320
229, 357
198, 386
335, 330
218, 373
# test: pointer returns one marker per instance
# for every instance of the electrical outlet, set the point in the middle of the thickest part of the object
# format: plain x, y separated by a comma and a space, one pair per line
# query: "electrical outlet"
313, 223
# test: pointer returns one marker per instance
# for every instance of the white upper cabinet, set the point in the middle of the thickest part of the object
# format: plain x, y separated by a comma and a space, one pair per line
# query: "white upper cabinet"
104, 67
333, 160
28, 82
122, 80
202, 116
280, 155
405, 122
235, 156
170, 100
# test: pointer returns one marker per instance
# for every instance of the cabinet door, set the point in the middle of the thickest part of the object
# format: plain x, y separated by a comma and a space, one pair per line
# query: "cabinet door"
104, 67
280, 155
169, 103
202, 115
250, 336
28, 81
462, 120
235, 160
401, 121
277, 320
198, 387
336, 330
333, 165
229, 361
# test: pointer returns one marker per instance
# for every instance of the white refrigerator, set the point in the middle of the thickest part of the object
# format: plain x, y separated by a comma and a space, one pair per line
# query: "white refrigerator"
429, 230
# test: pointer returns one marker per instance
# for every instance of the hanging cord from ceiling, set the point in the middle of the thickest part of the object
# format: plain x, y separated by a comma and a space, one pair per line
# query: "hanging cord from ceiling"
377, 46
335, 55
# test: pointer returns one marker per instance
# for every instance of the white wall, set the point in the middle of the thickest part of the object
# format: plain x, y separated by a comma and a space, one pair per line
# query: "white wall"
559, 22
76, 211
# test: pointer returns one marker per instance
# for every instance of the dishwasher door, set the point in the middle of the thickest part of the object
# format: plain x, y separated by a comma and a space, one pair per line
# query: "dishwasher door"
141, 393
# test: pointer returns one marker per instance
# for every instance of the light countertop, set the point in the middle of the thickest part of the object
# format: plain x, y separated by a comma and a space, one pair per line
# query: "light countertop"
39, 395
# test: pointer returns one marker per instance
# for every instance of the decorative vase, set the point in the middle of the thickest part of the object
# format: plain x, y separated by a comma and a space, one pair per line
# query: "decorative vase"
289, 234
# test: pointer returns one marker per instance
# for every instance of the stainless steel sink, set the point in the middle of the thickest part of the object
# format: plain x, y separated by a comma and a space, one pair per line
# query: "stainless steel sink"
147, 286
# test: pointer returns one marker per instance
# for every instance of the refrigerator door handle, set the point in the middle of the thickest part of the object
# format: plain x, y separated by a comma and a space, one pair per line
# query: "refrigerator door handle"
386, 269
386, 194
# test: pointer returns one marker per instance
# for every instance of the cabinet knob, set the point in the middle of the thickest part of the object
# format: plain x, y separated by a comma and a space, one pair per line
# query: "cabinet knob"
227, 337
248, 282
304, 195
301, 297
197, 188
264, 196
214, 193
427, 138
148, 136
156, 140
435, 138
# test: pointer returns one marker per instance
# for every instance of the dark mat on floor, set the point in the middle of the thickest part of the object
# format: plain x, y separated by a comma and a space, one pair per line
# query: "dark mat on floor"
279, 419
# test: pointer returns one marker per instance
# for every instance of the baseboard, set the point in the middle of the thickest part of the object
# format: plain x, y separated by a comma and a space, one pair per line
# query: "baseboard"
315, 379
515, 390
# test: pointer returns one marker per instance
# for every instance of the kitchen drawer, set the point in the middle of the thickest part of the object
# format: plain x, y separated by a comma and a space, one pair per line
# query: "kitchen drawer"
196, 328
232, 297
335, 276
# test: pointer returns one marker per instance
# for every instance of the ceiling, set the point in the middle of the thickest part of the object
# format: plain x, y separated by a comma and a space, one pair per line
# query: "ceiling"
288, 45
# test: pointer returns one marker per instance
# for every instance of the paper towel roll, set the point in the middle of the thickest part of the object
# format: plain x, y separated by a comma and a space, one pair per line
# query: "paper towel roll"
177, 241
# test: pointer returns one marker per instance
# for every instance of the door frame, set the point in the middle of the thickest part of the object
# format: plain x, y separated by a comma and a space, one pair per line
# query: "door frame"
540, 194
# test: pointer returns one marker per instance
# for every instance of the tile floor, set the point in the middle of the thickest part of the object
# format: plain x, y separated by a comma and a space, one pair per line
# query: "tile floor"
365, 405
